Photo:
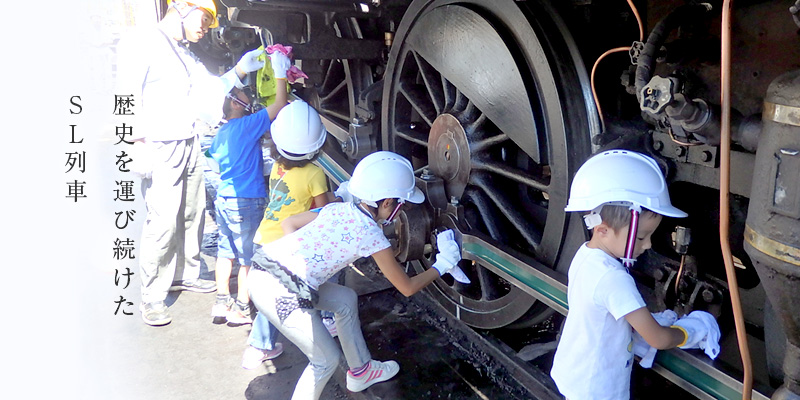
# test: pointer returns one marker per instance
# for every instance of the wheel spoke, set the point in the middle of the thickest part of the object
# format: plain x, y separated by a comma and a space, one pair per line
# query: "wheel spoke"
487, 284
338, 89
484, 209
482, 145
517, 219
449, 92
416, 96
431, 79
511, 173
411, 135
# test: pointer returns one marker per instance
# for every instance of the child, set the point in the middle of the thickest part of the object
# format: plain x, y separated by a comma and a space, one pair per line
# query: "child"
290, 284
295, 185
241, 194
626, 196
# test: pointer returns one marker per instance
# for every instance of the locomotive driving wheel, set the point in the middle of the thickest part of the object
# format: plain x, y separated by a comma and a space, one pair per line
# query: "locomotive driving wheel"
490, 96
336, 96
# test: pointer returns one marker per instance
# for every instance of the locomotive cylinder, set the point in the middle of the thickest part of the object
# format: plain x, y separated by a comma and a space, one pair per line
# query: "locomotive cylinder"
772, 233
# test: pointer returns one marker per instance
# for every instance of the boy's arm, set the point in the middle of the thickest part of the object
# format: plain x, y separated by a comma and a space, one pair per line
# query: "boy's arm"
281, 99
655, 335
297, 221
397, 275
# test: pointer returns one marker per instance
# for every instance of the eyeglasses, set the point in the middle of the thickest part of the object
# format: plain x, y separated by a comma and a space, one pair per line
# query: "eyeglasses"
238, 101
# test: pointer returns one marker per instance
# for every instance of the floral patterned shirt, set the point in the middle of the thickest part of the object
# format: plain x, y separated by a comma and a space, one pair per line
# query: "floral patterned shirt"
340, 235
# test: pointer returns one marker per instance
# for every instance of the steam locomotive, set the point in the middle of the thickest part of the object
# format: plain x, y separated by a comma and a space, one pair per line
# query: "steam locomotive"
498, 102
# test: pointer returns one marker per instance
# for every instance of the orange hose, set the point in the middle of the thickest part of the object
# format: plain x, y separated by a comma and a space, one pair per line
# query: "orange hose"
594, 92
724, 189
638, 19
614, 50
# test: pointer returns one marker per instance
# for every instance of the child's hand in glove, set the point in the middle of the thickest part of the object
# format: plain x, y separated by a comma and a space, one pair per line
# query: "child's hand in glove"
448, 257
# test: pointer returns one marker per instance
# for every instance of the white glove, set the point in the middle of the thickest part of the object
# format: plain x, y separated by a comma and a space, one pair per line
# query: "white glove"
702, 332
643, 349
449, 255
280, 64
343, 193
250, 62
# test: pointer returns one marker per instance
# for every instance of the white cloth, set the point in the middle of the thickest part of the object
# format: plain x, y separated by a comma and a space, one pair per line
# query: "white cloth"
340, 235
595, 354
343, 192
171, 88
703, 332
448, 257
640, 346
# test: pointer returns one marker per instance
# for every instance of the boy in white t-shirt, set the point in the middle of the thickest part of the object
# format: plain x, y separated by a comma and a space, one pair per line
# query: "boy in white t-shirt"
626, 195
290, 280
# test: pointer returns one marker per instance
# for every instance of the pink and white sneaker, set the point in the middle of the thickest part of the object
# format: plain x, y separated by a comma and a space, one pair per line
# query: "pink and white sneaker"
253, 357
375, 373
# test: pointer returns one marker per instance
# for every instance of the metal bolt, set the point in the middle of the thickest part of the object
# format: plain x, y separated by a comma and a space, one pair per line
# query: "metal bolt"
413, 126
658, 145
453, 200
680, 151
708, 295
345, 146
706, 156
658, 274
426, 174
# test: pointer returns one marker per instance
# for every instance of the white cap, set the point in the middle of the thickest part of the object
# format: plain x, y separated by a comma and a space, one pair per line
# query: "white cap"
384, 175
621, 177
298, 130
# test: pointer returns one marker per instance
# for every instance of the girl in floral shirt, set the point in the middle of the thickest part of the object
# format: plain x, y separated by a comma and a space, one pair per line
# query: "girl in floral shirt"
289, 282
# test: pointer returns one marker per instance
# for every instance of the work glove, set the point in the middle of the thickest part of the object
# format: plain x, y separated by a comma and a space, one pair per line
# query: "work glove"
280, 64
449, 255
250, 62
344, 193
643, 349
702, 332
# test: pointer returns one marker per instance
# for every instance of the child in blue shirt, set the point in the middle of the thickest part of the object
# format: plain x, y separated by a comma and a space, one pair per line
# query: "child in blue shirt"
241, 196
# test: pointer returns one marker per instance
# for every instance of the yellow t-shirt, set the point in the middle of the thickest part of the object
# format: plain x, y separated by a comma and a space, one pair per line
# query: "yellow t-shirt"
290, 192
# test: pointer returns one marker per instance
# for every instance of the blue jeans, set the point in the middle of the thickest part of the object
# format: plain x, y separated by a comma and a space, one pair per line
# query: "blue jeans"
262, 334
238, 220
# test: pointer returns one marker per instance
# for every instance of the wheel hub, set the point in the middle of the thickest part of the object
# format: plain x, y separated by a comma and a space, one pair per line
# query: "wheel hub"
448, 153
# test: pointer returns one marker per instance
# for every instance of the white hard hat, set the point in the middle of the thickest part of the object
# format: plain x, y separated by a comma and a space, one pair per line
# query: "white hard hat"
621, 177
298, 130
384, 175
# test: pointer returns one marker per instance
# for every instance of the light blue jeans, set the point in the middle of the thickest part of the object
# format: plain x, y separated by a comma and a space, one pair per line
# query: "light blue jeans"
262, 333
305, 329
238, 219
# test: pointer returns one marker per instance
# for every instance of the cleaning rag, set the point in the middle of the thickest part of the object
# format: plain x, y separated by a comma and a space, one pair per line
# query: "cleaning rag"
294, 73
640, 346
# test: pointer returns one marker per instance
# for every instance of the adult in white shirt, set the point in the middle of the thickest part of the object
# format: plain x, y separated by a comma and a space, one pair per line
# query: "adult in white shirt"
173, 93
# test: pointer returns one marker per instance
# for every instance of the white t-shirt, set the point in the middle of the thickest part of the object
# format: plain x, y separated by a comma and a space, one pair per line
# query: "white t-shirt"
340, 235
595, 354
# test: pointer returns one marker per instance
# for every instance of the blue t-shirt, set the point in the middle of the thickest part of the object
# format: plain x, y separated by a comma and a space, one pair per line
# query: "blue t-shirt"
237, 149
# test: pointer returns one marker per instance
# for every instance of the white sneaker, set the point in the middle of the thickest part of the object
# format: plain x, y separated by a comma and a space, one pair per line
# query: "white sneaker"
331, 325
375, 373
222, 305
253, 357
